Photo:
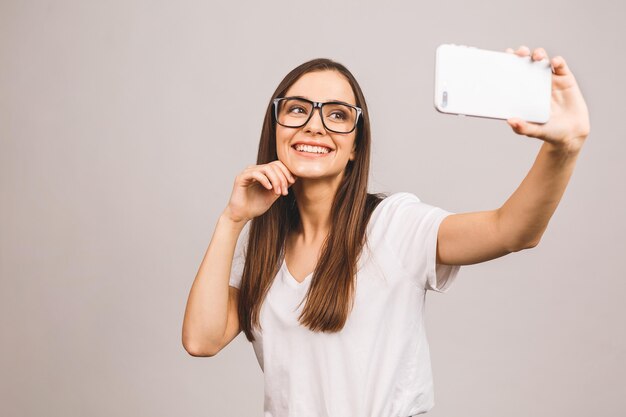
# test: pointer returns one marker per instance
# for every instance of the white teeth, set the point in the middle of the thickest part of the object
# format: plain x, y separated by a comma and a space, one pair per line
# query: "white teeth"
312, 149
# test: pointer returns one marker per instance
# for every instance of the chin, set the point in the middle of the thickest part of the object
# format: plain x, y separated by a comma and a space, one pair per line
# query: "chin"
307, 173
316, 175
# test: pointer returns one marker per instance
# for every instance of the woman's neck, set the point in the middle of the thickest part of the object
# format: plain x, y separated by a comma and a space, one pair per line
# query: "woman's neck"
314, 199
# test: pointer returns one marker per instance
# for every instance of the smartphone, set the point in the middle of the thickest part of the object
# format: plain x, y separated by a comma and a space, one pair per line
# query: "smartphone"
477, 82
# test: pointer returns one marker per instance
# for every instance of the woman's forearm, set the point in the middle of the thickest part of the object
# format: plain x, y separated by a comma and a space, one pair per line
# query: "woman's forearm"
528, 210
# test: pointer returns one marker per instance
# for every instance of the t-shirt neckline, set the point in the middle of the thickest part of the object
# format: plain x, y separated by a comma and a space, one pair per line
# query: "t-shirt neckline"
291, 278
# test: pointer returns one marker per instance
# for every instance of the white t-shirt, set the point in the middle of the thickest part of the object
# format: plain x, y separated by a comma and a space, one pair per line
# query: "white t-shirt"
378, 365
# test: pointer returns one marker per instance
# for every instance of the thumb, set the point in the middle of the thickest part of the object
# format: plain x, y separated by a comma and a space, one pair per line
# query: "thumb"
522, 127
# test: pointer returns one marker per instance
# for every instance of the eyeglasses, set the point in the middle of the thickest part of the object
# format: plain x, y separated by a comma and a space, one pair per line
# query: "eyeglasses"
336, 116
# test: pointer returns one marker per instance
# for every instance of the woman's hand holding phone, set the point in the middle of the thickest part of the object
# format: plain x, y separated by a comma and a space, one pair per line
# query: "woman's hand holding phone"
256, 188
568, 126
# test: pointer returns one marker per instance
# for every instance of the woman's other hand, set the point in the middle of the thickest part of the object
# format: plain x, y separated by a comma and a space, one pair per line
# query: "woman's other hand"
256, 188
568, 125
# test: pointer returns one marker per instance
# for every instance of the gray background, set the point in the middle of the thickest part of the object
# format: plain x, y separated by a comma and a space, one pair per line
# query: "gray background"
124, 123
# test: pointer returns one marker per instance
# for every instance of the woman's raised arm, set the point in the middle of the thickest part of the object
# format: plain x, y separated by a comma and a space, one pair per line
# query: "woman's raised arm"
469, 238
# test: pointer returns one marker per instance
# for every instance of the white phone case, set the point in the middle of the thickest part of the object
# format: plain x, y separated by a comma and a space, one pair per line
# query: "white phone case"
499, 85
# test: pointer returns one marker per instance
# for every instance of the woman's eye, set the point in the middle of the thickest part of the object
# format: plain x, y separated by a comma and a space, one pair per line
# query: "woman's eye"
338, 115
297, 110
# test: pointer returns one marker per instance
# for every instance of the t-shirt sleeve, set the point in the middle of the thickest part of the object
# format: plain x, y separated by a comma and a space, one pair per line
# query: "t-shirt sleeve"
412, 232
239, 258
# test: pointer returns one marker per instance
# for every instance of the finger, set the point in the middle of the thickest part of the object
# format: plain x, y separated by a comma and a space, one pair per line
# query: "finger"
509, 50
260, 178
269, 173
523, 51
290, 177
539, 54
274, 178
252, 171
523, 127
559, 66
284, 183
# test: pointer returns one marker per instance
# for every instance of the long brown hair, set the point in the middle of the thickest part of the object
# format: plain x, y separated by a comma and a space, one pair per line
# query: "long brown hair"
330, 296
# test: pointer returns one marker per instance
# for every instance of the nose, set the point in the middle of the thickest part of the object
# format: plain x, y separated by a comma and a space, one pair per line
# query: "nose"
315, 125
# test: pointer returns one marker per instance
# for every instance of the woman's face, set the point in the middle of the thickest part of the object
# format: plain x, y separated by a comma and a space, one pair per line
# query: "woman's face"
317, 86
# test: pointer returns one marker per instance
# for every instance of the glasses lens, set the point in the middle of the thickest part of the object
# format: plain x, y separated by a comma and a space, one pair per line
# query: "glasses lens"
339, 117
293, 112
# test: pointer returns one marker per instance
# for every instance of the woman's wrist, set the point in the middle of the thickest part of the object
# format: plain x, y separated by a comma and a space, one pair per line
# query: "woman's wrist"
234, 222
570, 147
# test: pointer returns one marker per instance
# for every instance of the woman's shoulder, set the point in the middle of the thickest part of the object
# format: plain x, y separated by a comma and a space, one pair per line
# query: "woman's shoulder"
391, 199
402, 196
386, 204
399, 209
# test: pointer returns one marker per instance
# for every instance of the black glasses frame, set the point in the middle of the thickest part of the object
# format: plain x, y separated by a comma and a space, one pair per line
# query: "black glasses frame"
316, 105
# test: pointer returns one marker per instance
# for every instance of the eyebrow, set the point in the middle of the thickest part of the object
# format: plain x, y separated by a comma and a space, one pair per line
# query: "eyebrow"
329, 101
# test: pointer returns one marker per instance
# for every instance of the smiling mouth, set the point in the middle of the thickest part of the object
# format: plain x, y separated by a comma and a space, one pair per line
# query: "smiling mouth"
312, 150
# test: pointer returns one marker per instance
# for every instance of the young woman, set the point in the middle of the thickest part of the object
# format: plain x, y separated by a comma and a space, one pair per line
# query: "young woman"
328, 281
